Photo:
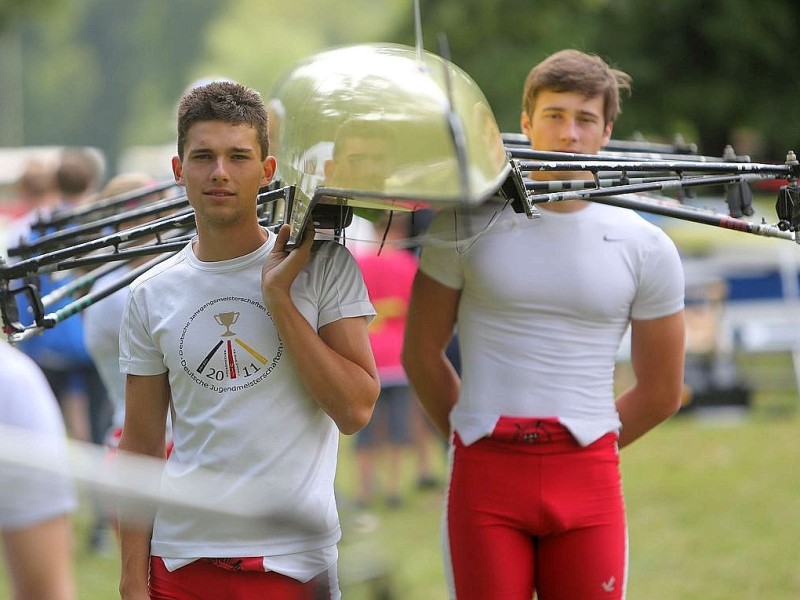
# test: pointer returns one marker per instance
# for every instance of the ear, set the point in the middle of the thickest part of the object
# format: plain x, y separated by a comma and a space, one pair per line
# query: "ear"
177, 170
525, 124
269, 165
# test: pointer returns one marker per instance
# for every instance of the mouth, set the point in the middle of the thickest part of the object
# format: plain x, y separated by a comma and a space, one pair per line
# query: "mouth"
219, 193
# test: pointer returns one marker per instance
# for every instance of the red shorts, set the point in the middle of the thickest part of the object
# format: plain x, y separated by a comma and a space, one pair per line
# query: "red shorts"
212, 580
530, 509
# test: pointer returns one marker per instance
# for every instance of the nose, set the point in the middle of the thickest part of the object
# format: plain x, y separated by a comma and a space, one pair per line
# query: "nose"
569, 129
220, 172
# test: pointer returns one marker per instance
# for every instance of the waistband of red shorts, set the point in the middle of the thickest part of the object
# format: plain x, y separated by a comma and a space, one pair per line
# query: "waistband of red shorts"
523, 430
536, 435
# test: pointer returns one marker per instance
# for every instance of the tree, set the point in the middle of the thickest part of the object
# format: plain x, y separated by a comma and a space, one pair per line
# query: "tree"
11, 13
724, 66
497, 41
91, 67
709, 70
11, 10
108, 73
273, 35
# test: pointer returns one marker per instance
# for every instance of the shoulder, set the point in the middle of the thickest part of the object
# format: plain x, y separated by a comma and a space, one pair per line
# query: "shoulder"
628, 221
15, 362
28, 398
327, 251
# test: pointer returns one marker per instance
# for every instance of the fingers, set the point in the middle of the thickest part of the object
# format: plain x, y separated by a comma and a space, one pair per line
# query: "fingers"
283, 237
308, 234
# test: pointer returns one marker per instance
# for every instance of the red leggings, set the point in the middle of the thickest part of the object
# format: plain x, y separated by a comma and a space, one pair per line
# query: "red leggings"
530, 509
202, 580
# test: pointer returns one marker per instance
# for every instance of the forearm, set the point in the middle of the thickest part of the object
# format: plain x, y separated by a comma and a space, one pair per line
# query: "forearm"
641, 411
657, 351
340, 385
144, 432
429, 328
135, 561
135, 530
436, 384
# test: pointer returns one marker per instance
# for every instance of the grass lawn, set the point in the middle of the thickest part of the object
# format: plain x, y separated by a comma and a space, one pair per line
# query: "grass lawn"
713, 507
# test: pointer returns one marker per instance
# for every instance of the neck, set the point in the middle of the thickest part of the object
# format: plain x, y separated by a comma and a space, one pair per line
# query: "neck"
221, 243
564, 206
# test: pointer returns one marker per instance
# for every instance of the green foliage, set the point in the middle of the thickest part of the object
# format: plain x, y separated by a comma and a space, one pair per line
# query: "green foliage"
107, 73
60, 86
10, 10
272, 36
94, 65
717, 72
498, 41
727, 65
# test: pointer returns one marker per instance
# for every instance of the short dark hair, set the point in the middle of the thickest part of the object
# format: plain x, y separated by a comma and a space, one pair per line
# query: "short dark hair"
576, 71
223, 101
78, 171
37, 180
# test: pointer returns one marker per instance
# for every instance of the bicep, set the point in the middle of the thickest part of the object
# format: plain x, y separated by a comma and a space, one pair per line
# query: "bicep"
432, 313
350, 339
657, 348
146, 406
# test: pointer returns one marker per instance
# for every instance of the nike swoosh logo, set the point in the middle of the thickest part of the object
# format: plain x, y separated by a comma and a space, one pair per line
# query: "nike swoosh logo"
611, 238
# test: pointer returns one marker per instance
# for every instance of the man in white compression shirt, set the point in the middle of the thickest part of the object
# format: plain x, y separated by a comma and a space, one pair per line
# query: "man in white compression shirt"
535, 497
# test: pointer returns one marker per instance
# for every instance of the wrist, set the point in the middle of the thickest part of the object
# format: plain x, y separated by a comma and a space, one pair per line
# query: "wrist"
275, 297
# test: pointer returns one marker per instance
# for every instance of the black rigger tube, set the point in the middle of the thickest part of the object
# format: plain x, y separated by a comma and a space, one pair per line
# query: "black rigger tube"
695, 215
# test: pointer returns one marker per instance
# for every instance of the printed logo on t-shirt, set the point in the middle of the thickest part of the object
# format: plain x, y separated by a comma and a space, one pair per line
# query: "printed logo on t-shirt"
229, 344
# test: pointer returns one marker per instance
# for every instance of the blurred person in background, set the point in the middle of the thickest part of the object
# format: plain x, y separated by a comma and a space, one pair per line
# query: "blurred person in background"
362, 160
79, 175
101, 325
60, 351
37, 196
102, 320
388, 274
535, 500
35, 506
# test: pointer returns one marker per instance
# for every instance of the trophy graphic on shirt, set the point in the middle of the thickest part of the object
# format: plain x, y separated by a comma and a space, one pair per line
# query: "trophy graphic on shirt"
227, 319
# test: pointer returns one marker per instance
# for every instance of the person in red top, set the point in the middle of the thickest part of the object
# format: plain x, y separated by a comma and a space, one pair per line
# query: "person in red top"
388, 275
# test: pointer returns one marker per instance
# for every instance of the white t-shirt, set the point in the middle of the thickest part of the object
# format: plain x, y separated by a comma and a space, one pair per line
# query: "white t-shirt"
238, 406
544, 306
30, 412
